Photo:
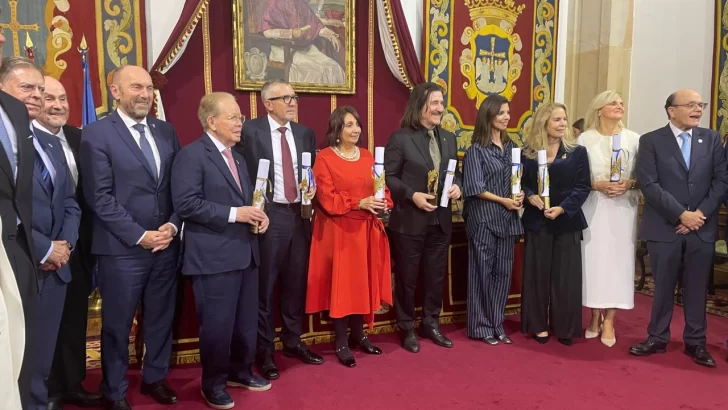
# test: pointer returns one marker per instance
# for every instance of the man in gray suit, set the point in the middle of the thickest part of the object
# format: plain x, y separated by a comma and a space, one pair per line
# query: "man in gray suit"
681, 169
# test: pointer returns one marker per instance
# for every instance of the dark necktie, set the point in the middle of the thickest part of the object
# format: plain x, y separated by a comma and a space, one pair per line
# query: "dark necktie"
43, 171
289, 178
146, 149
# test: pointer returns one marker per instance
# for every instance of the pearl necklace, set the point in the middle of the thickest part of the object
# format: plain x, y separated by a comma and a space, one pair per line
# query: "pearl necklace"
353, 157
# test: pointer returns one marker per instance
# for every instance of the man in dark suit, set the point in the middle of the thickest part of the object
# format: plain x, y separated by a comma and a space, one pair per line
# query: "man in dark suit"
420, 230
69, 360
212, 194
681, 170
16, 199
284, 248
126, 160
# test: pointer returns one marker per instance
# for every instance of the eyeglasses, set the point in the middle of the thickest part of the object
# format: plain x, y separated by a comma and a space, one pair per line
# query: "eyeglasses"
236, 118
692, 106
286, 98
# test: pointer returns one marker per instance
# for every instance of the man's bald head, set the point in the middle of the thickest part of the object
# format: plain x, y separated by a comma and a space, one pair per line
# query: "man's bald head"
55, 106
132, 88
685, 108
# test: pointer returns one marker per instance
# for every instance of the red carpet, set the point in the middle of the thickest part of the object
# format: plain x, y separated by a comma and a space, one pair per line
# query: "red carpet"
472, 375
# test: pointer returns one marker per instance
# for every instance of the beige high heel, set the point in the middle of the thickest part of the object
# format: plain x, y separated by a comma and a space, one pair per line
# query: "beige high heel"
610, 342
588, 334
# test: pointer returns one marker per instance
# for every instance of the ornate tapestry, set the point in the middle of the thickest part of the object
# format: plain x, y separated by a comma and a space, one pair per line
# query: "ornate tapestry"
477, 48
719, 106
52, 32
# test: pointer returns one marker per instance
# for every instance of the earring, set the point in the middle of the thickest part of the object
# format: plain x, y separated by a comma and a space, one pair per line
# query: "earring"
338, 140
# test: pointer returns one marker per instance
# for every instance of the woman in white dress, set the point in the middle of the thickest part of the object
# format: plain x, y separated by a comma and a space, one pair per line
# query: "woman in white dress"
608, 247
12, 334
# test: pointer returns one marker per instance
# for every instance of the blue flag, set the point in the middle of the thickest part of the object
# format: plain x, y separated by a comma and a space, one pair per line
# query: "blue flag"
89, 108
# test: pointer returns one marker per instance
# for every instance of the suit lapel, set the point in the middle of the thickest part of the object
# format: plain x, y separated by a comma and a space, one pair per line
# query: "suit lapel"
298, 140
418, 138
444, 153
698, 148
128, 139
161, 147
216, 158
266, 142
244, 180
37, 175
673, 147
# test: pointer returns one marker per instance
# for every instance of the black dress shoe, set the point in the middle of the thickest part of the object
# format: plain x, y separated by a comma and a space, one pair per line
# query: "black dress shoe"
252, 383
54, 403
700, 355
566, 341
117, 405
409, 341
345, 356
267, 367
219, 400
302, 353
160, 392
647, 348
435, 335
82, 398
505, 339
365, 345
541, 339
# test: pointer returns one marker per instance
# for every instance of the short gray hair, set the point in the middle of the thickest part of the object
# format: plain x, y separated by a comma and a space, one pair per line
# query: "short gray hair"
210, 106
270, 83
10, 64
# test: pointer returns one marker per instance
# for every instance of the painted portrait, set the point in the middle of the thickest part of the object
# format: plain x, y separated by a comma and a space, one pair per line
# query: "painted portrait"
309, 43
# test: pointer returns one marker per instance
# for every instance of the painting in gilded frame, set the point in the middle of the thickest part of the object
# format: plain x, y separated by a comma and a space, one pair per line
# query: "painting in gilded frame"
478, 48
309, 43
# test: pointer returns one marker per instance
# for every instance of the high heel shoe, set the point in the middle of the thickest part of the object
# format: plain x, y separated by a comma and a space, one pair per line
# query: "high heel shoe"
345, 356
609, 342
588, 334
365, 345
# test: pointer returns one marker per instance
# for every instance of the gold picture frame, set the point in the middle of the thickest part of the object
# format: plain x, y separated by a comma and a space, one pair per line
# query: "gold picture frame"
263, 49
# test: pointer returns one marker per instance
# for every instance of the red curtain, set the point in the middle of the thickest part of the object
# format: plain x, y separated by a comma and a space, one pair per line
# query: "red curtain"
406, 46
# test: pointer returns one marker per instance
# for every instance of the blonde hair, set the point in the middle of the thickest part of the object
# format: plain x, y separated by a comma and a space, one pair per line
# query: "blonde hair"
537, 137
592, 120
210, 106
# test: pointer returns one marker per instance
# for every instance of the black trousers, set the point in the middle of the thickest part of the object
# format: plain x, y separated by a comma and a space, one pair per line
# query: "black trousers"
284, 250
490, 262
666, 258
411, 252
552, 284
69, 360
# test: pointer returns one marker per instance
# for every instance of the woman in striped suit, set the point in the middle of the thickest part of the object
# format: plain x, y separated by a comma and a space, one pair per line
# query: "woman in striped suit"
491, 221
552, 259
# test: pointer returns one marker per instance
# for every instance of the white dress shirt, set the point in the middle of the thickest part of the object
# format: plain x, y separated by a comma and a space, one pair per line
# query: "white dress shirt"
147, 133
67, 152
52, 171
13, 138
677, 131
278, 194
233, 210
130, 123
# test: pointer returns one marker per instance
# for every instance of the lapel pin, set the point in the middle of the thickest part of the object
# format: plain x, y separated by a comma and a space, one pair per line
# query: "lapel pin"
563, 156
30, 136
153, 126
700, 141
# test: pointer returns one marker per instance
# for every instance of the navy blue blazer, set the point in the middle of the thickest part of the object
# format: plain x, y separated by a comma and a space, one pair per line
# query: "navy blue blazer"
670, 188
119, 185
203, 191
56, 216
569, 187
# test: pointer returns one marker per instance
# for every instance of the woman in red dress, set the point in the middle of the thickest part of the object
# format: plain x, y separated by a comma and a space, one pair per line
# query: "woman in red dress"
349, 271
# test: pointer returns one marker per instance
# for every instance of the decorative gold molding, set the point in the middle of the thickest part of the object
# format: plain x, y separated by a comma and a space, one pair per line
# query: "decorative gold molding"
207, 58
253, 105
370, 80
395, 44
333, 102
189, 28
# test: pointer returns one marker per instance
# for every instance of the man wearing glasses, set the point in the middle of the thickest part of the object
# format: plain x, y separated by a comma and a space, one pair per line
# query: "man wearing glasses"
681, 170
284, 248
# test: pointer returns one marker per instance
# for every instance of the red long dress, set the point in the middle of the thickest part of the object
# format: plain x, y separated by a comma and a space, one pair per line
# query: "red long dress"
349, 267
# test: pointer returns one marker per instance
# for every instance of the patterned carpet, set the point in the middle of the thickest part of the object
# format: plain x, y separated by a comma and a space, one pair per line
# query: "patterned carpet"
717, 304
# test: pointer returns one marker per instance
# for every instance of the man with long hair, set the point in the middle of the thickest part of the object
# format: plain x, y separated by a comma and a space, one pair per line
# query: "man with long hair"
415, 164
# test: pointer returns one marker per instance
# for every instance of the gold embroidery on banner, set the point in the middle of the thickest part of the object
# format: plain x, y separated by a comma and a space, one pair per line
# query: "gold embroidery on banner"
720, 88
189, 28
333, 102
395, 44
253, 105
15, 26
119, 41
207, 66
370, 80
59, 41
